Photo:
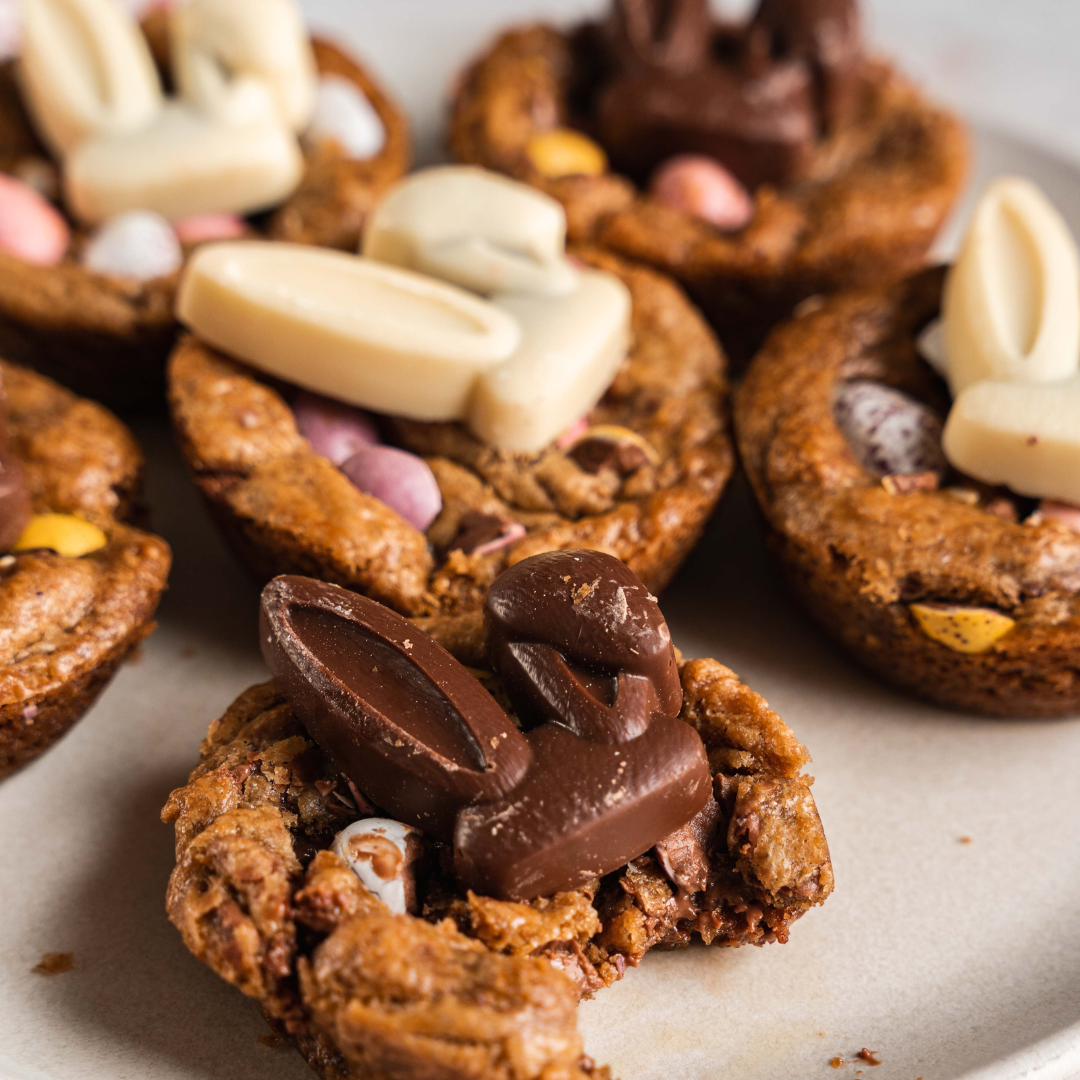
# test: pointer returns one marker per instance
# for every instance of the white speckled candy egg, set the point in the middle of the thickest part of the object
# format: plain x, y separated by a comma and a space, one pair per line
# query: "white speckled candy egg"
890, 433
344, 114
137, 244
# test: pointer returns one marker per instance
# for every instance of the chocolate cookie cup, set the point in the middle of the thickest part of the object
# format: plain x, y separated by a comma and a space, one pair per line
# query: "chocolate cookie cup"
68, 620
873, 190
108, 337
640, 481
353, 932
862, 550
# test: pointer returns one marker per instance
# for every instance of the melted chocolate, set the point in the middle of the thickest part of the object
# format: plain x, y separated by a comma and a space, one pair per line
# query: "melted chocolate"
15, 506
606, 771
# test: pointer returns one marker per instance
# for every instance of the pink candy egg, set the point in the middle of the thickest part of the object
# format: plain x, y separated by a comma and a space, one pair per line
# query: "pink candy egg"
700, 186
401, 480
1063, 513
335, 430
199, 228
31, 228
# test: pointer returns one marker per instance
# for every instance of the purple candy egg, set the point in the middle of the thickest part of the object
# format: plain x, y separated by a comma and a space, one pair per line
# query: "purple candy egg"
401, 480
890, 433
335, 430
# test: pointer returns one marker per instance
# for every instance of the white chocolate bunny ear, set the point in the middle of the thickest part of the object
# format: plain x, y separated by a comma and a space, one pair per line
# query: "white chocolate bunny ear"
475, 228
359, 331
86, 70
1011, 308
215, 42
1023, 435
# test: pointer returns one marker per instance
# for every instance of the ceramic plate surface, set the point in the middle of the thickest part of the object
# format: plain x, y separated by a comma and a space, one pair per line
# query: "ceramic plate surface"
951, 946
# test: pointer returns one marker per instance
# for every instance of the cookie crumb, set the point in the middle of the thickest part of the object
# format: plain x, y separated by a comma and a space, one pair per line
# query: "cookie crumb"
275, 1042
55, 963
837, 1062
965, 839
869, 1056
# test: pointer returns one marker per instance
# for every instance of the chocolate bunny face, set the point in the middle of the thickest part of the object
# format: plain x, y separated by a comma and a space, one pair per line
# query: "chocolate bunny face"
606, 772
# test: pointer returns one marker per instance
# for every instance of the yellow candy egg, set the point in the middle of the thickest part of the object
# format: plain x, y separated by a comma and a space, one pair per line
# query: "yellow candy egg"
963, 629
65, 534
563, 152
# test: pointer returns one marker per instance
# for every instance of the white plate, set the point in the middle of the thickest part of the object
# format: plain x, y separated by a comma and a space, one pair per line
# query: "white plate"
950, 959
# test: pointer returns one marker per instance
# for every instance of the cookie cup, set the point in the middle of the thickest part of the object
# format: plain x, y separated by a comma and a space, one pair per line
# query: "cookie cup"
877, 194
471, 982
67, 624
859, 556
285, 509
109, 337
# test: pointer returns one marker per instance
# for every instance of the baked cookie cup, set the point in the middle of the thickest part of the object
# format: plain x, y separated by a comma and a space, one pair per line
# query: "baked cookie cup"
79, 589
638, 477
871, 193
360, 943
939, 584
108, 335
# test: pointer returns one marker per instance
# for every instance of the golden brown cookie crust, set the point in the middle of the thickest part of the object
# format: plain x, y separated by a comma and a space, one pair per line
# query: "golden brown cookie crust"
879, 191
287, 510
477, 989
66, 624
858, 556
108, 337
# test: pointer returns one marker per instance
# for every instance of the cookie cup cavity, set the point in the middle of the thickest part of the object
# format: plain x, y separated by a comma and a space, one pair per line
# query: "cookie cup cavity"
287, 510
878, 191
66, 624
859, 556
109, 337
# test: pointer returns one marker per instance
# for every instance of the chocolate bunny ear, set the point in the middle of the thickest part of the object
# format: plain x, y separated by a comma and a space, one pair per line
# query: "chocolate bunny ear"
15, 505
397, 713
827, 36
580, 642
675, 35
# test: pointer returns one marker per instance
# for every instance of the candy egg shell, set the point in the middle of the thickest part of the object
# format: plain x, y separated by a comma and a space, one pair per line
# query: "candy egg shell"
1063, 513
199, 228
890, 433
962, 629
380, 851
564, 152
31, 228
139, 244
344, 113
702, 187
336, 431
401, 480
65, 534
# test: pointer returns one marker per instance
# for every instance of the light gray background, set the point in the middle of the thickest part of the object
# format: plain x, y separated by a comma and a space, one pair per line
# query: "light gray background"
1011, 62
